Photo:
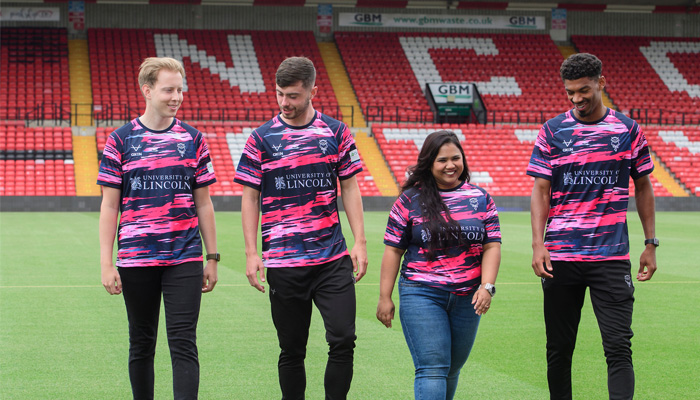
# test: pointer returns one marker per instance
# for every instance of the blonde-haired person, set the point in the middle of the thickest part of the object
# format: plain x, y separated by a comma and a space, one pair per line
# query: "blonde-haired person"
156, 172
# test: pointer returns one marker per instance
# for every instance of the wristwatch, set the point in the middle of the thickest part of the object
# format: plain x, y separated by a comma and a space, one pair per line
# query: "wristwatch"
653, 241
215, 256
490, 287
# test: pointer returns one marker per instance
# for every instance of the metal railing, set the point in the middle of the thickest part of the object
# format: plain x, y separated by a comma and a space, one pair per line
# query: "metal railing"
114, 113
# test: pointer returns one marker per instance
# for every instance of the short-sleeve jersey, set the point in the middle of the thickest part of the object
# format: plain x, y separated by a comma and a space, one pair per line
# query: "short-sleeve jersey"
589, 165
157, 173
456, 270
296, 169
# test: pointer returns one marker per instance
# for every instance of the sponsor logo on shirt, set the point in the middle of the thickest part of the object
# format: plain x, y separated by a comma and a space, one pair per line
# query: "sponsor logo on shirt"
301, 181
136, 151
210, 167
354, 155
160, 182
277, 152
592, 177
567, 143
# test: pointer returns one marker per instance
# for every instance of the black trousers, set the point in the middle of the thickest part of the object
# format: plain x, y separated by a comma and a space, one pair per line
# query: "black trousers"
331, 287
181, 290
612, 297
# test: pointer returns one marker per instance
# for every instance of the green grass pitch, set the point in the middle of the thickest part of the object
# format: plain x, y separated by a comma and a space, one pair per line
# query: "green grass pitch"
63, 337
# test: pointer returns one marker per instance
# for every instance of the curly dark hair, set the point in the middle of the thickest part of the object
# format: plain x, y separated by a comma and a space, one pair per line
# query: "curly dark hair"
581, 65
432, 206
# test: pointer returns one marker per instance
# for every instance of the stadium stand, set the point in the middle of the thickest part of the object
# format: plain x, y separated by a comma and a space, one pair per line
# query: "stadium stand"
510, 78
34, 74
679, 149
497, 155
230, 75
35, 161
657, 75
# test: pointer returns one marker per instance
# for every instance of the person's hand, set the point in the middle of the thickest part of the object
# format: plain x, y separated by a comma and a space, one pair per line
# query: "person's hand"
481, 301
385, 311
210, 276
647, 264
359, 259
111, 280
541, 262
253, 265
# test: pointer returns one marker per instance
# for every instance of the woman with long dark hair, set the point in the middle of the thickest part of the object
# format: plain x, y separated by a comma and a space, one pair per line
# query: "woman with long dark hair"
448, 233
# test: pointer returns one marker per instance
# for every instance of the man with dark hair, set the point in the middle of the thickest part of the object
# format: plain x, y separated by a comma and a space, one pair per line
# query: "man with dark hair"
582, 162
294, 162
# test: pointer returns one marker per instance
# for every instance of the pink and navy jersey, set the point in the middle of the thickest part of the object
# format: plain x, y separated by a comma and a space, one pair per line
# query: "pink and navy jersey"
157, 173
456, 270
296, 169
589, 165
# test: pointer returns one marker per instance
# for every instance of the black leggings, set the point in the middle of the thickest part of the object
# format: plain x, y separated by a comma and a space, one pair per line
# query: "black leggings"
331, 287
181, 288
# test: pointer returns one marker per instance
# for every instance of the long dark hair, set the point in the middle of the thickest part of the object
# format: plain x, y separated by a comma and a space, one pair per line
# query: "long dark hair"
421, 177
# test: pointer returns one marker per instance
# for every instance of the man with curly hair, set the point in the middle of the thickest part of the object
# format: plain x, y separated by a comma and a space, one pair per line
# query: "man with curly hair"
582, 163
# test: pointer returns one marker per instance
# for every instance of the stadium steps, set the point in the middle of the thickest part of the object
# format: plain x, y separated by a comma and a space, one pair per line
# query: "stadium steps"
566, 51
376, 164
80, 84
85, 158
341, 84
665, 178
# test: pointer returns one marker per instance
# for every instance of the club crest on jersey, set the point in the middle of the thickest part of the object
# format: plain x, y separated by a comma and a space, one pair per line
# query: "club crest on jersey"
425, 235
323, 145
615, 142
279, 183
181, 149
136, 183
474, 203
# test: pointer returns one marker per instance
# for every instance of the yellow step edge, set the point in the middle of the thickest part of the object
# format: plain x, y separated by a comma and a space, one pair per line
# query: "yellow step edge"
665, 178
372, 156
86, 168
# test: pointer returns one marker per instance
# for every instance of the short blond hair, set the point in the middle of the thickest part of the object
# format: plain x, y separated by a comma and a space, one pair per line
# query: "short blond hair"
150, 67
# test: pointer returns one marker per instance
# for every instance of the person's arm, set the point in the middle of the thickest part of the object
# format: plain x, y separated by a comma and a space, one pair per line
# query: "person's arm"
250, 218
109, 214
539, 210
352, 201
387, 279
490, 263
207, 227
646, 208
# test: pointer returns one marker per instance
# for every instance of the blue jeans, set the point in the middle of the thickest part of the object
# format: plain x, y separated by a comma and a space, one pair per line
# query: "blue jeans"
440, 329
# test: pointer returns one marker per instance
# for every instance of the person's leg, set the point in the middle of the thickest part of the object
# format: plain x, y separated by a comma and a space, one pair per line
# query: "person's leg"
612, 296
426, 328
334, 296
290, 302
142, 291
182, 295
563, 300
464, 322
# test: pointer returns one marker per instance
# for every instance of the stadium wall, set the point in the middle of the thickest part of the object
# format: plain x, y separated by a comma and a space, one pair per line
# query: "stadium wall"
233, 203
184, 16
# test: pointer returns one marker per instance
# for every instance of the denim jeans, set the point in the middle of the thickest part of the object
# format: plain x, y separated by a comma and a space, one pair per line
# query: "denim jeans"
440, 328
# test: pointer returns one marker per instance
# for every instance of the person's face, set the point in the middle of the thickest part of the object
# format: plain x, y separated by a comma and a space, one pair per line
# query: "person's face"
448, 166
165, 97
586, 96
294, 102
